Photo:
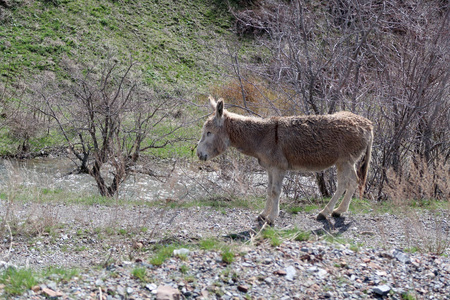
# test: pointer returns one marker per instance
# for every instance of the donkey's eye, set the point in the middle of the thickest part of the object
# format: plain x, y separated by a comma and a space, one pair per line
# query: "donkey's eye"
208, 133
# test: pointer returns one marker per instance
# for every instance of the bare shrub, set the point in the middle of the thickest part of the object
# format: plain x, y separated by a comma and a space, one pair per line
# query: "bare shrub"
299, 186
256, 94
419, 181
23, 126
235, 175
22, 121
108, 118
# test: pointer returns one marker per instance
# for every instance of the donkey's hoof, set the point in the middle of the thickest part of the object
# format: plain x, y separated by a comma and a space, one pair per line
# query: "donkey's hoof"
336, 214
321, 217
263, 220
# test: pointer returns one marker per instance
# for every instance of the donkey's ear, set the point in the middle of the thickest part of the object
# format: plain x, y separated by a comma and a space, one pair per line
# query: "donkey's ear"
219, 108
212, 102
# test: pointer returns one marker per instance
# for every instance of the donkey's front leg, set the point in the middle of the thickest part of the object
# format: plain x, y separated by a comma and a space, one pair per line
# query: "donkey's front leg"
265, 213
272, 209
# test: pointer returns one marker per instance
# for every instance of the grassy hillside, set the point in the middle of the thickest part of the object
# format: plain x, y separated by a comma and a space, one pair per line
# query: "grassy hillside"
166, 36
171, 41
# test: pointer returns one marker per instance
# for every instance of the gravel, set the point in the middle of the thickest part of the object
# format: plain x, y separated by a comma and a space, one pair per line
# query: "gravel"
371, 256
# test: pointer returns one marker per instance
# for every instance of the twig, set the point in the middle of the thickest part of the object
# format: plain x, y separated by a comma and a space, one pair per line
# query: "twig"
105, 264
257, 234
10, 240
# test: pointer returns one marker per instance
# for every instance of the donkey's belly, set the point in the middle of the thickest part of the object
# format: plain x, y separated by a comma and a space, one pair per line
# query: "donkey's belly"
313, 162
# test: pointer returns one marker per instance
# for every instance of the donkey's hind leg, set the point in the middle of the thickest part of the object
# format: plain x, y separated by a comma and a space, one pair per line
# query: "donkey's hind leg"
342, 170
351, 185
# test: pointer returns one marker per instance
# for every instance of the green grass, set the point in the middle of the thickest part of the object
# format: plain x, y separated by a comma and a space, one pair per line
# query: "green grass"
161, 254
44, 195
412, 249
140, 274
62, 274
277, 236
184, 269
165, 35
273, 235
408, 296
17, 281
302, 208
227, 255
209, 244
365, 206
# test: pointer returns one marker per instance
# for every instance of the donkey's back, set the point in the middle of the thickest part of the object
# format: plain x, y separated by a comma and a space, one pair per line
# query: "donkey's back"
318, 142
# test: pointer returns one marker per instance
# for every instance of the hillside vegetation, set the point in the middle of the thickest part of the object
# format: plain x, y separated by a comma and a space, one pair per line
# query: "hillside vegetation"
386, 61
166, 37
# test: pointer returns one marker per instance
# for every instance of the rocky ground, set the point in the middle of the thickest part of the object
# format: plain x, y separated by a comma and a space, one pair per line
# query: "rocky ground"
372, 256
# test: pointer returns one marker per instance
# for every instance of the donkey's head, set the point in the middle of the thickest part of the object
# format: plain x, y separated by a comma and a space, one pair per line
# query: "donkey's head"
214, 139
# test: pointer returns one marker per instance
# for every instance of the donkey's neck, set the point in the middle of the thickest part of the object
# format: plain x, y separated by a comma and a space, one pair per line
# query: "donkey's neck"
245, 133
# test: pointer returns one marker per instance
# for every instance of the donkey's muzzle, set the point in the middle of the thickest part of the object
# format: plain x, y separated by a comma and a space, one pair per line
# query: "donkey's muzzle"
202, 156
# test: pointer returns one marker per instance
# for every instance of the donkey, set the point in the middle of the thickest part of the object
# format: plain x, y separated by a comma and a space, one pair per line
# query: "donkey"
305, 143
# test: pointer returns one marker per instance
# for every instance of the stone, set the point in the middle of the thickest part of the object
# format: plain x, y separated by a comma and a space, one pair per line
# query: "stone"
381, 290
52, 285
280, 272
267, 261
120, 290
386, 255
51, 293
138, 245
401, 257
165, 292
99, 282
290, 273
182, 251
151, 286
322, 273
35, 288
243, 288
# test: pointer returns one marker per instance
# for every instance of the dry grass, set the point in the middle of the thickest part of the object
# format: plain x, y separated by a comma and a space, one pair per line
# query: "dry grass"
428, 187
419, 181
43, 217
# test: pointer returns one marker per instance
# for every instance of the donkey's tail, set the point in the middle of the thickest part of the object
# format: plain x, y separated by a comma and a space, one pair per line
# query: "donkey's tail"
364, 166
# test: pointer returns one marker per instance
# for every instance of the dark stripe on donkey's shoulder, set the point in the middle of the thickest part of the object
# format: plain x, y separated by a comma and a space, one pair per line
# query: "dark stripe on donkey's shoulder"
276, 132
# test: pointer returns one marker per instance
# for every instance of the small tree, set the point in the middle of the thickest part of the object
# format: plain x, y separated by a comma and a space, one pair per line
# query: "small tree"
108, 118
